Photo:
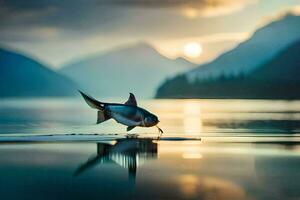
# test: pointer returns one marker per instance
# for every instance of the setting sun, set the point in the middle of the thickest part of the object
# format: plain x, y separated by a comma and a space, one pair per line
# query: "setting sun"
192, 49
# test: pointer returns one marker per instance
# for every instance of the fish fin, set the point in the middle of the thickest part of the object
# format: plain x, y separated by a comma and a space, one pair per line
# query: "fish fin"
93, 103
131, 100
129, 128
102, 116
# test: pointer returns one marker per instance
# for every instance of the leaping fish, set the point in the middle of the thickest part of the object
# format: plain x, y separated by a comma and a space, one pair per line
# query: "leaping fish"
128, 114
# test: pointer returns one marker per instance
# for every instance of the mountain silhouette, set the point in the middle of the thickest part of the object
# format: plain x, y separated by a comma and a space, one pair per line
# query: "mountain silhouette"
285, 67
21, 76
264, 44
138, 68
277, 78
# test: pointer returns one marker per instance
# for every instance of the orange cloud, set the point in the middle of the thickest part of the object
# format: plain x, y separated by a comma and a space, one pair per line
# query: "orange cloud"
214, 8
295, 10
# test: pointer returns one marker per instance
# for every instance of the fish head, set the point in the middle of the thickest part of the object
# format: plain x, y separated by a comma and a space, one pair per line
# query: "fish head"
151, 120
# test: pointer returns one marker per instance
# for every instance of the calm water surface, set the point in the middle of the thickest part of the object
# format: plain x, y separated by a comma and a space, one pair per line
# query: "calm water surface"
248, 150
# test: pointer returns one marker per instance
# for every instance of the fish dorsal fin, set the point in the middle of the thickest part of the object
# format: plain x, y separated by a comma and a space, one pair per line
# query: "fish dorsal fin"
131, 100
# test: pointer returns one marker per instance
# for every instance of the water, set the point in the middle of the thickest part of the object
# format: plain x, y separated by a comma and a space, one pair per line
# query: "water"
211, 149
178, 117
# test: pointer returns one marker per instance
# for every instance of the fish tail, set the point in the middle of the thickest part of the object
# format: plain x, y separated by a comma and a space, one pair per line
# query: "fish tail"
93, 103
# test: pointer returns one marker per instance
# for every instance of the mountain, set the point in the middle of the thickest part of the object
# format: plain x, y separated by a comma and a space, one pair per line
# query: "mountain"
265, 43
138, 68
21, 76
285, 67
276, 79
242, 71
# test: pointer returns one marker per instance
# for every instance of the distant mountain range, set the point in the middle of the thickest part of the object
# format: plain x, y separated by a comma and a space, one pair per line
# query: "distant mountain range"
265, 43
138, 69
23, 76
278, 78
265, 66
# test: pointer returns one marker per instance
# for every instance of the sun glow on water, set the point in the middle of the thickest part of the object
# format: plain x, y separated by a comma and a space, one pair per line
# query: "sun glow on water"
192, 118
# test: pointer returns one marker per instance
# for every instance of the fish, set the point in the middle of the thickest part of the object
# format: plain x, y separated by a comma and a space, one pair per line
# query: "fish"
128, 114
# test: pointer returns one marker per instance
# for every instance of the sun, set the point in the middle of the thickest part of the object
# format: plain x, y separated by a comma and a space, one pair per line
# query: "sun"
192, 49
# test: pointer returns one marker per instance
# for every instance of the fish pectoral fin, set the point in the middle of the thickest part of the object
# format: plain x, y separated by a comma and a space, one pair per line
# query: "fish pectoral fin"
129, 128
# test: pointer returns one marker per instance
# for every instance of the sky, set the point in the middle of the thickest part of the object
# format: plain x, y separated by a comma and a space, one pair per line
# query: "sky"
58, 32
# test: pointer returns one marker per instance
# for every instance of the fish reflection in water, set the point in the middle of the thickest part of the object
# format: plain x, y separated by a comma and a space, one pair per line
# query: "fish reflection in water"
129, 153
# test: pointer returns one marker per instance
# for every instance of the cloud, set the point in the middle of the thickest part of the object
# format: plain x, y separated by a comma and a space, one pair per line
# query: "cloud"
11, 14
189, 8
176, 3
79, 13
60, 30
294, 10
32, 34
219, 37
225, 7
38, 20
78, 18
